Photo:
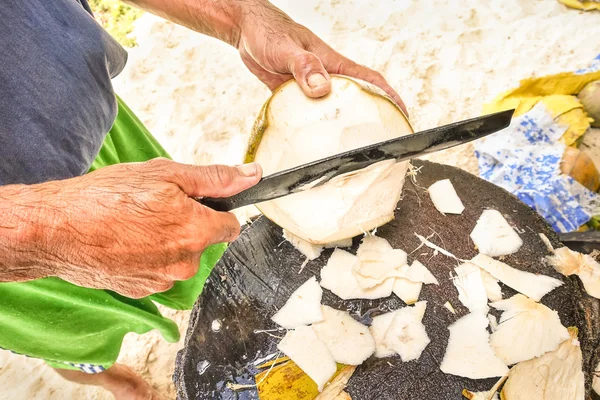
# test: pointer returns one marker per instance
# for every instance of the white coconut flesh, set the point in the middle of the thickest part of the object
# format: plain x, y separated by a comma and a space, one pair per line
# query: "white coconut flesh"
469, 353
471, 289
311, 355
340, 243
534, 286
311, 251
493, 235
297, 129
492, 287
527, 329
303, 307
569, 262
338, 277
374, 267
406, 335
556, 375
407, 291
417, 272
444, 197
379, 328
373, 243
348, 341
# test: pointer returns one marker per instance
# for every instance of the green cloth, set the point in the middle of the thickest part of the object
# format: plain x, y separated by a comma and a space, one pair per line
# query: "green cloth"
63, 323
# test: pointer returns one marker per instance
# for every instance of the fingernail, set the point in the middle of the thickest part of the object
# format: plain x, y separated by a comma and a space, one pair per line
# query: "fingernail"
248, 170
316, 80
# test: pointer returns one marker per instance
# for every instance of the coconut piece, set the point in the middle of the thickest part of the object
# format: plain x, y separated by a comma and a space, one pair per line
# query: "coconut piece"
444, 197
596, 380
311, 251
590, 99
569, 262
532, 285
527, 329
374, 267
303, 307
556, 375
294, 129
493, 322
417, 272
304, 348
373, 243
493, 235
471, 290
337, 276
448, 306
335, 389
406, 334
378, 329
348, 341
407, 291
469, 353
492, 288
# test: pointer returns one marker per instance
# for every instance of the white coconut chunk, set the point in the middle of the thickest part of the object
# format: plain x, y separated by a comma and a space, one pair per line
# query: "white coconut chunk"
340, 243
348, 341
532, 285
406, 334
448, 306
373, 243
311, 355
374, 267
556, 375
378, 329
407, 291
493, 322
444, 197
527, 329
417, 272
311, 251
338, 276
471, 290
569, 262
469, 353
303, 307
493, 235
492, 287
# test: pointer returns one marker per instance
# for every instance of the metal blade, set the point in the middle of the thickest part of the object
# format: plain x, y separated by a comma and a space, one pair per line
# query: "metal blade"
321, 171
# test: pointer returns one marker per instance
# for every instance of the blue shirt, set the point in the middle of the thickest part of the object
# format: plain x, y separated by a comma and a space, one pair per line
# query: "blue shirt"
56, 98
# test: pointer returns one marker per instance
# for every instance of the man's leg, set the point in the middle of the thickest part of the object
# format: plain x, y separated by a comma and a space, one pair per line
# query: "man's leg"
119, 379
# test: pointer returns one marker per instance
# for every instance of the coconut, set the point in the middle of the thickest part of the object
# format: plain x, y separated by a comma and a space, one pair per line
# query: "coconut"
379, 328
311, 251
532, 285
527, 329
406, 334
303, 307
469, 353
348, 341
569, 262
375, 267
479, 395
556, 375
444, 197
471, 290
293, 129
493, 235
304, 348
590, 99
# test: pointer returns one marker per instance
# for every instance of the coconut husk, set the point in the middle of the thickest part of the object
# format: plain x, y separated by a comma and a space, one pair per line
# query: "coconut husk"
259, 272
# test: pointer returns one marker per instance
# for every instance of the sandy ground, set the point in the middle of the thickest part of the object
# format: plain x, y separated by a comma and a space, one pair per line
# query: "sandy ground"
446, 58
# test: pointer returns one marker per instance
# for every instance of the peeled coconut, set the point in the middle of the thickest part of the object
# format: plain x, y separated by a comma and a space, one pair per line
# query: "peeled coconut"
348, 341
444, 197
590, 99
303, 307
569, 262
471, 290
293, 129
534, 286
303, 347
406, 334
375, 267
381, 325
469, 353
527, 329
493, 235
556, 375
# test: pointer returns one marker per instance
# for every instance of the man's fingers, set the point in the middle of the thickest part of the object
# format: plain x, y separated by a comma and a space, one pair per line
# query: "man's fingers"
309, 73
217, 227
212, 180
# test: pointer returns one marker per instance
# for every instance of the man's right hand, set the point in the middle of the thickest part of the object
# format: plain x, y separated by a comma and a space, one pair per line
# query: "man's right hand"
131, 228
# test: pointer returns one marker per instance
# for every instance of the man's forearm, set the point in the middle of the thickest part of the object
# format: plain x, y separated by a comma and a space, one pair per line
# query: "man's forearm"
21, 235
221, 19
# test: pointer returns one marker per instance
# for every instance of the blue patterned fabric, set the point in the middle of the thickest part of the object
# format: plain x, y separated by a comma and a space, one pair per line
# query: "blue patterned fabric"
525, 160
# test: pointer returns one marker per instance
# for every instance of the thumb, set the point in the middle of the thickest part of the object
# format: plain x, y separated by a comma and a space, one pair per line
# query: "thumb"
310, 73
216, 180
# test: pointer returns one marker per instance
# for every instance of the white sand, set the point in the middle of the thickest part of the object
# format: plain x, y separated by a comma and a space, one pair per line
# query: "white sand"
446, 58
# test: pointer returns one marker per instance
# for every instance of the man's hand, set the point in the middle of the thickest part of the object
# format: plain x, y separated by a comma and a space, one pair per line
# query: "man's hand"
130, 228
271, 44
